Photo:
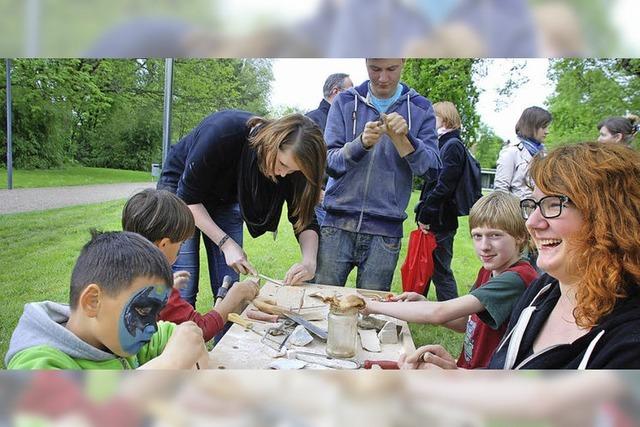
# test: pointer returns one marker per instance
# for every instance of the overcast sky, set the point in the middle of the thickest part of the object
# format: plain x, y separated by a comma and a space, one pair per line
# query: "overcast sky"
298, 82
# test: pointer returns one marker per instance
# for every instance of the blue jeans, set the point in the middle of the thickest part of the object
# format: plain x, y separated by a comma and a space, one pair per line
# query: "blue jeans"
375, 256
228, 218
445, 283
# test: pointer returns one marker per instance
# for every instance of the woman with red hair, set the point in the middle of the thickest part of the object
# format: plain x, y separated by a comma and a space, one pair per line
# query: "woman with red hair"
584, 217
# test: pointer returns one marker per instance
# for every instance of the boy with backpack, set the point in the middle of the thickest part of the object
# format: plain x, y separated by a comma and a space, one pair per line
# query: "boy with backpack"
443, 196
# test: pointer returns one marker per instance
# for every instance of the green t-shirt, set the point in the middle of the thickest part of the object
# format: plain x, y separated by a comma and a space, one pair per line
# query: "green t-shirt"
498, 297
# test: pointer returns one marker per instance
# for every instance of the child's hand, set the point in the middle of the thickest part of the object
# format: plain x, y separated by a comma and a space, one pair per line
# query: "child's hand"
184, 349
243, 291
370, 306
428, 357
408, 296
181, 279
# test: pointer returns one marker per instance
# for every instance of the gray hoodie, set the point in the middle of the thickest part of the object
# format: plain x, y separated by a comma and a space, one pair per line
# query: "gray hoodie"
43, 323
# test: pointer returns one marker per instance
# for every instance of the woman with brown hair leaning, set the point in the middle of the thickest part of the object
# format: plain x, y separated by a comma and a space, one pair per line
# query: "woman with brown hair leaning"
584, 217
235, 167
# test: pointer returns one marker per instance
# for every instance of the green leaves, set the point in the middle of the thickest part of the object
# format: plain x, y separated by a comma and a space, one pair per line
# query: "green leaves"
588, 91
108, 112
447, 80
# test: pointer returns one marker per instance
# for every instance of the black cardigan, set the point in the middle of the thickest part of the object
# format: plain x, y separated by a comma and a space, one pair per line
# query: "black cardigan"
214, 165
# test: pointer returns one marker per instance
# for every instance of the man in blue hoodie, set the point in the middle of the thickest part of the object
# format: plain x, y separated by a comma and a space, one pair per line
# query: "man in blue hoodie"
378, 136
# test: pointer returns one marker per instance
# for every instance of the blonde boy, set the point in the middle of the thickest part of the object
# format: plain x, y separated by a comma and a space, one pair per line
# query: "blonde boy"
499, 237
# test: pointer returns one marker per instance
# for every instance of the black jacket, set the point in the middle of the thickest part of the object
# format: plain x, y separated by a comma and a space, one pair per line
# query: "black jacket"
319, 115
214, 165
437, 206
617, 348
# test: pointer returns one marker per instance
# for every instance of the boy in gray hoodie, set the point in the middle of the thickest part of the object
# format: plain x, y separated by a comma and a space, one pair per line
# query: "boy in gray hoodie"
119, 284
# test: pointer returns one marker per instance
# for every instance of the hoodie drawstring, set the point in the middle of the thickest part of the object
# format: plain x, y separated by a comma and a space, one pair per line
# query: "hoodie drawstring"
409, 111
353, 117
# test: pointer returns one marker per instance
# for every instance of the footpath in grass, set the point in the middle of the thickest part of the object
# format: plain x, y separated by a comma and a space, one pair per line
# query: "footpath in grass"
71, 175
40, 249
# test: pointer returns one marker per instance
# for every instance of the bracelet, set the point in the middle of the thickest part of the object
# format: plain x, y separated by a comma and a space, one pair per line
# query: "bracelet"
223, 241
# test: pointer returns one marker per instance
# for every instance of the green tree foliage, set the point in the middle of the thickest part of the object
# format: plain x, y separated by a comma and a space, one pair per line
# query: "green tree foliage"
448, 80
108, 113
588, 91
489, 147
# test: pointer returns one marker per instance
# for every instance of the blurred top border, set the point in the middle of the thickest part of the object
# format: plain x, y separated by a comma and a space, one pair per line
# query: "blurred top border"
318, 28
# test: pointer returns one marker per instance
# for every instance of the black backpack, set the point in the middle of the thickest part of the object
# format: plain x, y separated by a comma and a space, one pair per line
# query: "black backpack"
469, 188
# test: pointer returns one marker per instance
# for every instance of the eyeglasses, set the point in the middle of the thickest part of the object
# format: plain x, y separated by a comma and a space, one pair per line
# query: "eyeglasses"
550, 206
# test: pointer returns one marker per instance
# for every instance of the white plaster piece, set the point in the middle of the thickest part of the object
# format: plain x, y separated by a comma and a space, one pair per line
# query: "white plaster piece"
388, 334
369, 340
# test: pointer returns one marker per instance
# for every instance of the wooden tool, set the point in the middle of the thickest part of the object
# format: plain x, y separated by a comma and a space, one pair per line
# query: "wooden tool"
269, 279
383, 364
241, 321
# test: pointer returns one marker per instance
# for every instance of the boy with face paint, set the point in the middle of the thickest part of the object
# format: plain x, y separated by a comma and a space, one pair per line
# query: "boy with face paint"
118, 286
164, 219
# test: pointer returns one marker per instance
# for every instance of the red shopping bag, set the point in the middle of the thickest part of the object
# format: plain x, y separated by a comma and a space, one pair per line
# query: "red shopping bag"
418, 266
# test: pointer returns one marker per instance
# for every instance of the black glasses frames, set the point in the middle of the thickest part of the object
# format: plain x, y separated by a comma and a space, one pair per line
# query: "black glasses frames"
550, 206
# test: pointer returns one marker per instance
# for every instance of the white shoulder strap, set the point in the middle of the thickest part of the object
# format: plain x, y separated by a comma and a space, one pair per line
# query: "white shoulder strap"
517, 332
587, 354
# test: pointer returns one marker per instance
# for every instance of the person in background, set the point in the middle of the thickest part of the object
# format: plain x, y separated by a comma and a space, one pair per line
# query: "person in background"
437, 210
513, 161
378, 135
619, 129
333, 85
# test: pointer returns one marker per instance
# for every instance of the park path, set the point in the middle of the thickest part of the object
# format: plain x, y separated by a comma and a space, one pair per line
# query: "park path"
38, 199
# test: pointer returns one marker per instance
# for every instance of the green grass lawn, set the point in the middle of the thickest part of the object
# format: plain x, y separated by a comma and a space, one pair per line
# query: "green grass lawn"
39, 250
71, 175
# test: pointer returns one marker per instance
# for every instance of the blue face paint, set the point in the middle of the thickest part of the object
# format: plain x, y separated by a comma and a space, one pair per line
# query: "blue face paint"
137, 322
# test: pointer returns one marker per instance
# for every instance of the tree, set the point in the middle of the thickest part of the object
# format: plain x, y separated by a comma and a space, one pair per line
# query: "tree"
587, 91
488, 147
108, 112
448, 80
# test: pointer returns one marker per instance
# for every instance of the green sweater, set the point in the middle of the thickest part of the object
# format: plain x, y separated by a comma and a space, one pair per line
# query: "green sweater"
47, 357
41, 342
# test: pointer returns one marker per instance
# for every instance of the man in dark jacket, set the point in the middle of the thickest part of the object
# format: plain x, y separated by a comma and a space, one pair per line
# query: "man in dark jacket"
335, 83
378, 135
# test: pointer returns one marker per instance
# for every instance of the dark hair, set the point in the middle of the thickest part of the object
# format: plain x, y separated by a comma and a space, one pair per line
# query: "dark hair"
333, 81
532, 119
156, 214
304, 138
626, 126
113, 260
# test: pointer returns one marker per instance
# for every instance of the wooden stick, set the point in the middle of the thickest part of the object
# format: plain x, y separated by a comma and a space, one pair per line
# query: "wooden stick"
269, 279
